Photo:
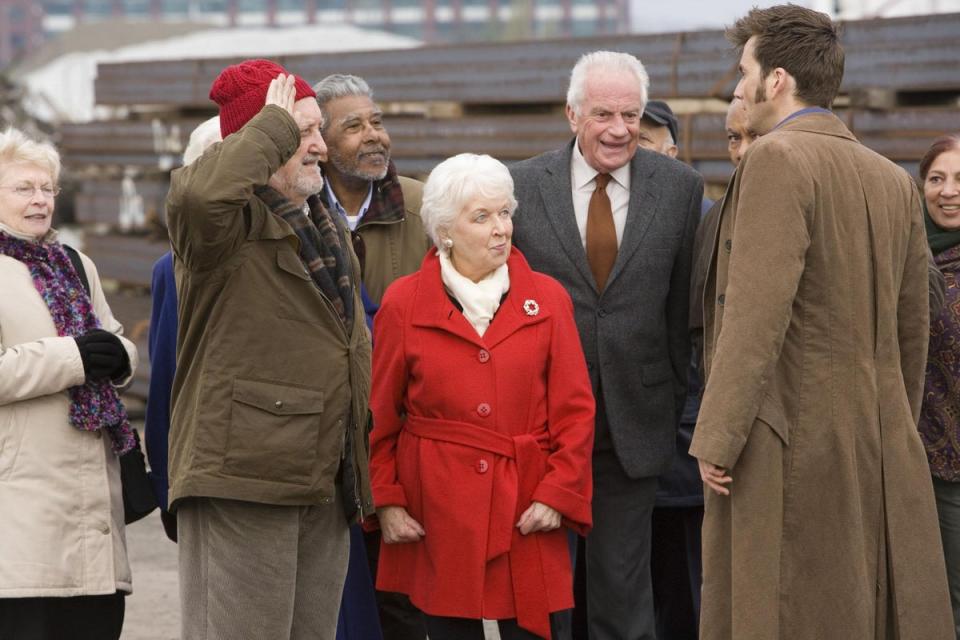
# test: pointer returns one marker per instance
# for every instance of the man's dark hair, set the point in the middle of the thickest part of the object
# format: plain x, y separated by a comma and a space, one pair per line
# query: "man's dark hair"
944, 143
805, 43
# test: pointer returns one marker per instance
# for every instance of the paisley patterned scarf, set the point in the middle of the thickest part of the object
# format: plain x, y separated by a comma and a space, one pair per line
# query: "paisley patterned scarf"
94, 405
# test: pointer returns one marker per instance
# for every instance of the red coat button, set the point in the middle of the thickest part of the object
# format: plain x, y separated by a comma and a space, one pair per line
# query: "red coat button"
483, 409
483, 356
482, 466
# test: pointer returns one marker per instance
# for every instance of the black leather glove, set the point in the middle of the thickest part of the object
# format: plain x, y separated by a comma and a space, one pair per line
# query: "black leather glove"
103, 355
169, 521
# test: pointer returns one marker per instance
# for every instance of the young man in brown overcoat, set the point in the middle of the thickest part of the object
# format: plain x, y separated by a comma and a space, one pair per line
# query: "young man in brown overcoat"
820, 519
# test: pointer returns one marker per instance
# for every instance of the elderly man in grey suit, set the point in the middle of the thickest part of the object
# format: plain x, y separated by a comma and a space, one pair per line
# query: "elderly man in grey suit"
615, 225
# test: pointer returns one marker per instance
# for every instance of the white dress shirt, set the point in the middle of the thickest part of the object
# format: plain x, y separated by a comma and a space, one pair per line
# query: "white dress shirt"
582, 177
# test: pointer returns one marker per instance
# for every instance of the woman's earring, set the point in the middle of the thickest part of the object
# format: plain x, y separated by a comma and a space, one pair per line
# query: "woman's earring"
448, 243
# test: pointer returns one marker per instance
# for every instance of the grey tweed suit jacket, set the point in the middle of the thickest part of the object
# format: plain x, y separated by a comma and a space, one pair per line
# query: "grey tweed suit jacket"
634, 334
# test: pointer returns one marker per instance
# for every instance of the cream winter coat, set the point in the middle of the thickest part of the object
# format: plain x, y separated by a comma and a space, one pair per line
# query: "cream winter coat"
61, 529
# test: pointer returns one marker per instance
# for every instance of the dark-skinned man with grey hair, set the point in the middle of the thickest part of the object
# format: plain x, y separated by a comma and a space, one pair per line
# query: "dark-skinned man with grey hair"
382, 210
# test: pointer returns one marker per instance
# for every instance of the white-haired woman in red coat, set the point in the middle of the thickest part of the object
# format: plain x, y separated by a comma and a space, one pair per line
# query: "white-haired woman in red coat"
483, 414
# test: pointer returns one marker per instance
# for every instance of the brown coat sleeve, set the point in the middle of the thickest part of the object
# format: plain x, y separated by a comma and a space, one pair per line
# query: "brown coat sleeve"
206, 198
770, 237
913, 328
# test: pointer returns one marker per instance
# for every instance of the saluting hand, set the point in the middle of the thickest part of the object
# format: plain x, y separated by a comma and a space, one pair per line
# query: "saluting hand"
282, 92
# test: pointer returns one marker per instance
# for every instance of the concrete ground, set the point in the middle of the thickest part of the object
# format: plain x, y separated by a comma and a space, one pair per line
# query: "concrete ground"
153, 610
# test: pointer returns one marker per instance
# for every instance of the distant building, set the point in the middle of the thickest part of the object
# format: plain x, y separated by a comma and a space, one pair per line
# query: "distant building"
23, 24
21, 29
427, 20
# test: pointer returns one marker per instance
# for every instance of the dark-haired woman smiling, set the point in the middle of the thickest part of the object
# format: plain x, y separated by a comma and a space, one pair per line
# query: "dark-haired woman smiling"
940, 416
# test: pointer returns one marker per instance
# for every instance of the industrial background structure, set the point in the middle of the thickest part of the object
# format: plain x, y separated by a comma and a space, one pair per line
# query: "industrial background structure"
900, 90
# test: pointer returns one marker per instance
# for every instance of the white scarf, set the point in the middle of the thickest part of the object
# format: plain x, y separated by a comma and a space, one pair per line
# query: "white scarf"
480, 300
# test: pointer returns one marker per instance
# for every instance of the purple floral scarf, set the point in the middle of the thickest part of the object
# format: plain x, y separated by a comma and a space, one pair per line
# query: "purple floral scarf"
94, 405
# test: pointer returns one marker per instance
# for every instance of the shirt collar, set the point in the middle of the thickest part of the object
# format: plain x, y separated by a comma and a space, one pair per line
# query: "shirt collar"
583, 174
335, 203
802, 112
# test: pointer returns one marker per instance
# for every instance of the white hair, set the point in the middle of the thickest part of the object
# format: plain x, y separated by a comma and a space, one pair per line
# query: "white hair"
341, 85
206, 133
611, 61
455, 182
18, 148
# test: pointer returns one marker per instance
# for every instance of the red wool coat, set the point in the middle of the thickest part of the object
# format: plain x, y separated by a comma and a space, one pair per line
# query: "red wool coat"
468, 431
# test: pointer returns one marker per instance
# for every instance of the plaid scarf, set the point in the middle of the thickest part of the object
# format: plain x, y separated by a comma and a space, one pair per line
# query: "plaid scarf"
320, 248
386, 203
95, 404
386, 206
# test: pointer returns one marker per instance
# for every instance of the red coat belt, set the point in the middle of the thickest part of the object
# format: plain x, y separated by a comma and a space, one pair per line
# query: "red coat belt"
514, 493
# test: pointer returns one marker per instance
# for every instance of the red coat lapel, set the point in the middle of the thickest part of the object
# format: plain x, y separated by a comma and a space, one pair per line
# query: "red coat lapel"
522, 306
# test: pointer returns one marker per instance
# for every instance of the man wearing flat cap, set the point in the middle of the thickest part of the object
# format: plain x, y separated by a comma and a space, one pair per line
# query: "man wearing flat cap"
659, 128
675, 565
268, 460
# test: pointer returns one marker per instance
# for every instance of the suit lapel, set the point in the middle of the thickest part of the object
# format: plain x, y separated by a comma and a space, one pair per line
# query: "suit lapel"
644, 197
555, 191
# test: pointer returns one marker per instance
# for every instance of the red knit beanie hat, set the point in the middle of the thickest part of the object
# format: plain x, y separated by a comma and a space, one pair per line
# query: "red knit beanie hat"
241, 91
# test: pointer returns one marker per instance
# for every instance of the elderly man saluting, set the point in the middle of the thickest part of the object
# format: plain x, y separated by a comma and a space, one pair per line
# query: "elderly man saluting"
267, 448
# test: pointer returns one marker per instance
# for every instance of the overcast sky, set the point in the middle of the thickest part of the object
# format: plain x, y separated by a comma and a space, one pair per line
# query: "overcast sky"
690, 15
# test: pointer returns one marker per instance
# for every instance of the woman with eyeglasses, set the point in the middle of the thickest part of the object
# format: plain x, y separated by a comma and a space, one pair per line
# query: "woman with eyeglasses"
63, 559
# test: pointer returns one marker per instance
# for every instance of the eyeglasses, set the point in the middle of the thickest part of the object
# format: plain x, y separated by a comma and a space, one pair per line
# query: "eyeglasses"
27, 190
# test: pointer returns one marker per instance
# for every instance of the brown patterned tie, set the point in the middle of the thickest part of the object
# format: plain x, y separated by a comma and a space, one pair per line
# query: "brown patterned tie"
601, 232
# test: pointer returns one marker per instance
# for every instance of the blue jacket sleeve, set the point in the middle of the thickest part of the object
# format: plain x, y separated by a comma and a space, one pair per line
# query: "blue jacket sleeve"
163, 363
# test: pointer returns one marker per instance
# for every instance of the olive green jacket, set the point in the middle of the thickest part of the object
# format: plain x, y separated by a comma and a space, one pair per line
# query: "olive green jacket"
269, 382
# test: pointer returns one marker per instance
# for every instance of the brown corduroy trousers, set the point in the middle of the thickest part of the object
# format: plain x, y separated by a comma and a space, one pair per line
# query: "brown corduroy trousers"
255, 571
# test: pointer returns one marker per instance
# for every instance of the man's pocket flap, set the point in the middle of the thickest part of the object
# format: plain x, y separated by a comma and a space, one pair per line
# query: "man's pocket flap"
655, 373
278, 399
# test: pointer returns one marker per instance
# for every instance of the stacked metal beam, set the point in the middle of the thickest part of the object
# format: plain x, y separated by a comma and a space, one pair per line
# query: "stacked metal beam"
504, 99
903, 54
